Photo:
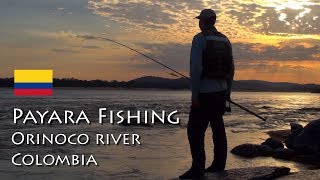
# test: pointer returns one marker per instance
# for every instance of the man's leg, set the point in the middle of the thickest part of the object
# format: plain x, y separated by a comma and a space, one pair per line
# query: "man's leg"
197, 126
218, 133
220, 143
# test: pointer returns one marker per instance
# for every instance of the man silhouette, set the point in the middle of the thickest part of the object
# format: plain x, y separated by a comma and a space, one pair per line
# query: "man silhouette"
211, 73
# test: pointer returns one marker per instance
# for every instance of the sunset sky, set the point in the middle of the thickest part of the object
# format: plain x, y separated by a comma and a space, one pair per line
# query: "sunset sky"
275, 40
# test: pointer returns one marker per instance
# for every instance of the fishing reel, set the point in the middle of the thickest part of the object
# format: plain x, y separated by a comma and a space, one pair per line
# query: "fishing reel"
228, 107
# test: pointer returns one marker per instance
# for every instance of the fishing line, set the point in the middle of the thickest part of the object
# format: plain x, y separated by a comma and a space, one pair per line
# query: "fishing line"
91, 37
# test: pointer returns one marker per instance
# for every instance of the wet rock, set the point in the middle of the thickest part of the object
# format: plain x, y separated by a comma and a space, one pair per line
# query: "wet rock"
277, 173
308, 159
305, 174
283, 153
262, 172
296, 129
304, 149
291, 138
280, 135
295, 126
308, 138
273, 143
264, 150
246, 150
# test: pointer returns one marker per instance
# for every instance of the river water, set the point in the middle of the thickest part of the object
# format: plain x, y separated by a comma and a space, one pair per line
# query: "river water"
164, 151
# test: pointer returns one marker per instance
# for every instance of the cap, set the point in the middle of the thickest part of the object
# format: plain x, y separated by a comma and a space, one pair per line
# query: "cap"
206, 14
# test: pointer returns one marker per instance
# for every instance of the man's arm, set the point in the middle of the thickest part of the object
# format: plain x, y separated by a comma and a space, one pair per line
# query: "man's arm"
195, 66
230, 79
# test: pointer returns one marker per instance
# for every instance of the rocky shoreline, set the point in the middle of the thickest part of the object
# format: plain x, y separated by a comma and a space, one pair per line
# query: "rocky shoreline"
307, 174
299, 144
264, 173
253, 173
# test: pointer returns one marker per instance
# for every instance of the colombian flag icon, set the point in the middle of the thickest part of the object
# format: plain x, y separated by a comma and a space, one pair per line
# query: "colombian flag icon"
33, 82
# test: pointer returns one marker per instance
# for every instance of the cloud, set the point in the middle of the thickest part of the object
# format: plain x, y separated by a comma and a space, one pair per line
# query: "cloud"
91, 47
172, 54
244, 51
162, 20
272, 20
147, 13
63, 34
242, 21
64, 50
177, 55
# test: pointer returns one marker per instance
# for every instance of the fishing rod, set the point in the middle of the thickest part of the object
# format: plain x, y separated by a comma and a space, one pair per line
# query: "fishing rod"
90, 37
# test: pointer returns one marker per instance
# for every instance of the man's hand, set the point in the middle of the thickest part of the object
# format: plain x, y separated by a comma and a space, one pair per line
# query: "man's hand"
227, 96
195, 102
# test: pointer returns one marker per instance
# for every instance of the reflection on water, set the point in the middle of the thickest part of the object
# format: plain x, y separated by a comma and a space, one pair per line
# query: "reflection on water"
164, 152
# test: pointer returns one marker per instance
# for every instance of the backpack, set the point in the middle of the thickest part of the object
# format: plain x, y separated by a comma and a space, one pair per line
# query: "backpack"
217, 56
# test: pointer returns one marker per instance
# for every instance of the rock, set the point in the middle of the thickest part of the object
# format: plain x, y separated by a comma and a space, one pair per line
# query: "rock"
280, 135
291, 138
295, 126
252, 150
246, 150
262, 172
274, 144
308, 159
264, 150
278, 172
305, 174
304, 149
308, 138
283, 153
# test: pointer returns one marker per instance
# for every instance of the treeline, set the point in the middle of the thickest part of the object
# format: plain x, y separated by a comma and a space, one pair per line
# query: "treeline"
136, 83
72, 82
145, 82
180, 83
6, 82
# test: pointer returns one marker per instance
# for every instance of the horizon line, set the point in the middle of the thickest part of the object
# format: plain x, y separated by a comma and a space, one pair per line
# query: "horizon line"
68, 78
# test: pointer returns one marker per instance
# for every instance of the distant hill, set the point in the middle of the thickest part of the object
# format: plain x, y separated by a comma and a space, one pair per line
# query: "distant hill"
316, 91
256, 85
180, 83
242, 85
159, 82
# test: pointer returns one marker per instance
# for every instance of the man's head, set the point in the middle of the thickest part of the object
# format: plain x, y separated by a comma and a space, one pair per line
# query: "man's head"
206, 18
